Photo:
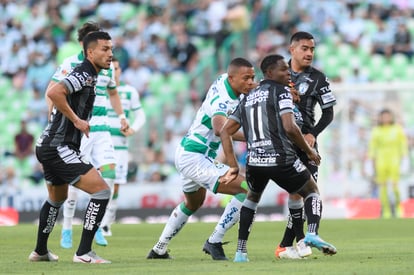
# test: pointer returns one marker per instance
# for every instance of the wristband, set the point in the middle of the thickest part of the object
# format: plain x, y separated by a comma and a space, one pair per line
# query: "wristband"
122, 116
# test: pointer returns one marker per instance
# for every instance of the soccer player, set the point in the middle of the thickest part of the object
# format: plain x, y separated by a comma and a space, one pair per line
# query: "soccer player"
57, 150
266, 115
98, 147
387, 148
131, 105
196, 164
313, 88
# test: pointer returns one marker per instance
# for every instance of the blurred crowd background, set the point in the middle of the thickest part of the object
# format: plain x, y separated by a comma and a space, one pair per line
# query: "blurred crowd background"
170, 52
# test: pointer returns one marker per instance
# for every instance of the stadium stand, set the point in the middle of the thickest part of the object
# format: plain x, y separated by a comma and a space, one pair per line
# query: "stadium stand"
28, 23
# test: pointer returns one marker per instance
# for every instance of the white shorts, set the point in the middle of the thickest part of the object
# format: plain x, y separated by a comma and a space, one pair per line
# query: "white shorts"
98, 149
121, 168
197, 170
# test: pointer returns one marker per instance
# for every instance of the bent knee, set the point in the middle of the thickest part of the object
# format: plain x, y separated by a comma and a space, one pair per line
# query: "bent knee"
295, 197
102, 194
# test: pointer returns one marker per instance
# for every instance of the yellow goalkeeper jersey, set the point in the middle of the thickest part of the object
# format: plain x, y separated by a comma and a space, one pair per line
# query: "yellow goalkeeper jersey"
388, 142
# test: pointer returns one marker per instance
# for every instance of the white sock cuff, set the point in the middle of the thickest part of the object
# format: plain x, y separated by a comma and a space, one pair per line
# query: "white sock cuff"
295, 204
316, 195
250, 204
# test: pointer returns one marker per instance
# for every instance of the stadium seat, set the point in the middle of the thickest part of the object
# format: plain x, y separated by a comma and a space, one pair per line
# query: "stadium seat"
67, 49
354, 61
407, 74
363, 54
155, 83
331, 66
344, 72
410, 26
179, 82
344, 52
205, 46
388, 73
152, 106
376, 65
5, 87
399, 63
370, 27
322, 51
128, 12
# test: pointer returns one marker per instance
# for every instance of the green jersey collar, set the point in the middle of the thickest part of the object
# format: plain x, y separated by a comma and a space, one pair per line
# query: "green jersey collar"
81, 56
229, 89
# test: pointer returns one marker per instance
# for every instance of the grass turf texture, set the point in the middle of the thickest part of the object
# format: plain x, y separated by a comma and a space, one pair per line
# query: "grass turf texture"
364, 247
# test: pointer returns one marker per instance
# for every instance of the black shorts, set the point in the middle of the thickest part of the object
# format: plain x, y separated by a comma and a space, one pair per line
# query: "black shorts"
313, 169
62, 164
291, 177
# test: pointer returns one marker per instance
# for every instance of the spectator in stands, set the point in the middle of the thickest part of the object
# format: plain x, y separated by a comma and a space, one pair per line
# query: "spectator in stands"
178, 121
356, 76
15, 60
34, 23
36, 111
120, 52
216, 14
402, 41
382, 40
69, 12
156, 54
170, 143
63, 16
184, 54
87, 7
39, 71
352, 29
154, 24
198, 23
336, 25
9, 186
137, 75
24, 142
110, 10
258, 18
133, 41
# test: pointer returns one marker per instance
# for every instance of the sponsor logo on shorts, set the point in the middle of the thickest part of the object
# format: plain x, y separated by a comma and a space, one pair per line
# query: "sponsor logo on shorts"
262, 160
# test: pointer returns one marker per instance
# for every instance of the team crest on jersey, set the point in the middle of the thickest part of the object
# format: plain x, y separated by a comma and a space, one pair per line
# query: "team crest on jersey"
90, 81
219, 165
303, 87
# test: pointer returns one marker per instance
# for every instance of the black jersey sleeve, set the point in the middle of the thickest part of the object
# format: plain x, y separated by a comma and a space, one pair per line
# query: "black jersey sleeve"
284, 100
325, 96
80, 77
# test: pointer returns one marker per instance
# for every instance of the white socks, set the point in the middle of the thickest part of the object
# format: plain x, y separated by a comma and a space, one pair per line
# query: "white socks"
109, 216
69, 207
177, 220
230, 217
110, 213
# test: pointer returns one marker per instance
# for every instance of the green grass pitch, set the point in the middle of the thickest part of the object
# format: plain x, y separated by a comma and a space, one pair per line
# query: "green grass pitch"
364, 247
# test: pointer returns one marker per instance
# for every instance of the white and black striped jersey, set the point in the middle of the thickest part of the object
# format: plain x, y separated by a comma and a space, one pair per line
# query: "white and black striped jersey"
313, 87
259, 113
80, 83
